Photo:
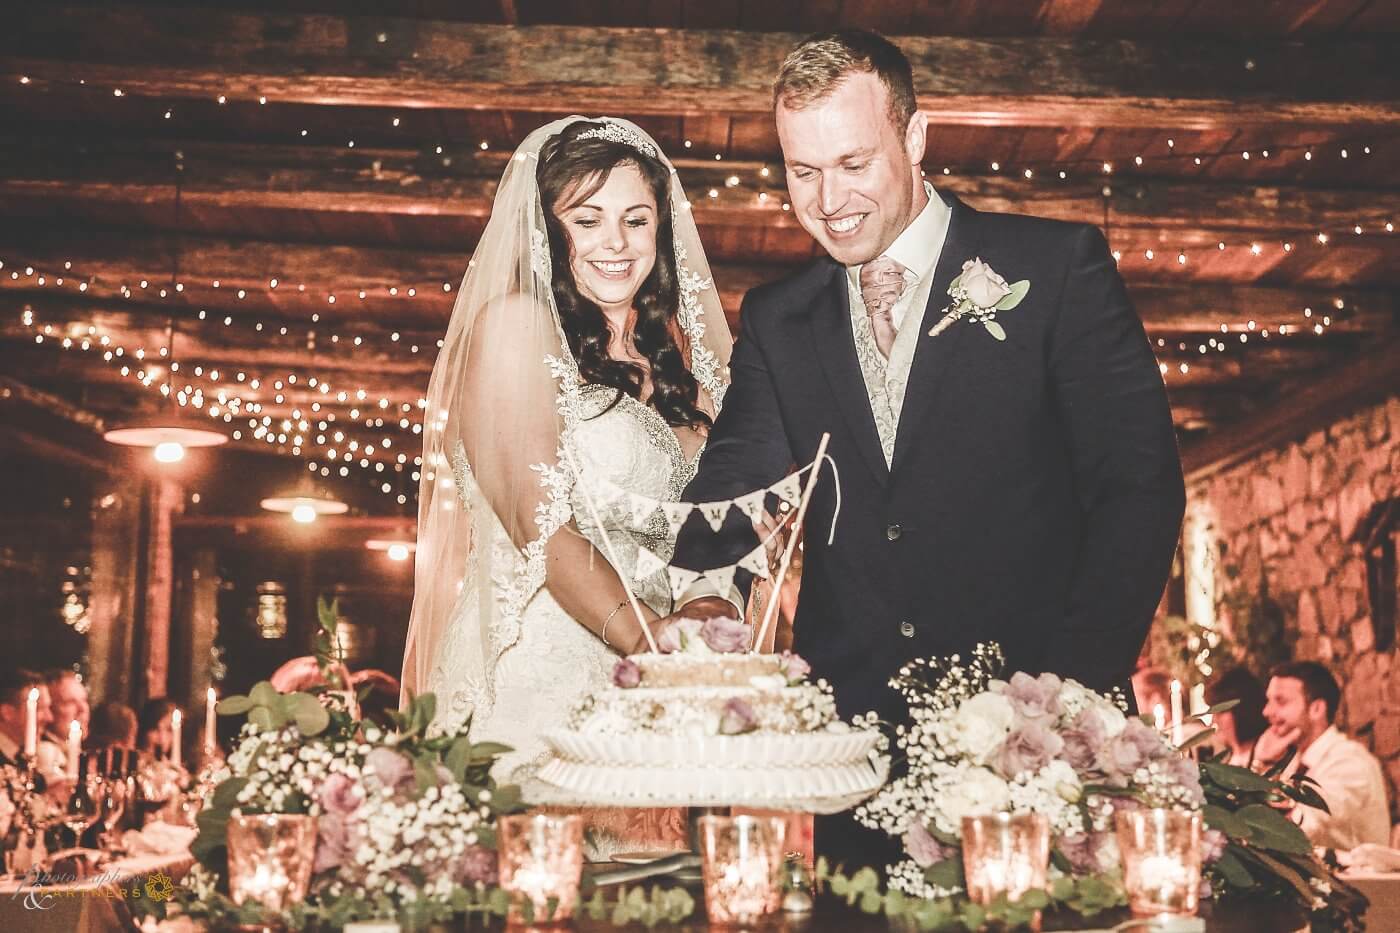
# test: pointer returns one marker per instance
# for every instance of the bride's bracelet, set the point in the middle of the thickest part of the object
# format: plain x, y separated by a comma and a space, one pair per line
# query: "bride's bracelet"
616, 610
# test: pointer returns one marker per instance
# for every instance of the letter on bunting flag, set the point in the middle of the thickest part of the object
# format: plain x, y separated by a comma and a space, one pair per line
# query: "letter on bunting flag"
647, 564
714, 513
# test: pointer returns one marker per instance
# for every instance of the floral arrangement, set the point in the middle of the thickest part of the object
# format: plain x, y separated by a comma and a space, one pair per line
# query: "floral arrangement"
1043, 745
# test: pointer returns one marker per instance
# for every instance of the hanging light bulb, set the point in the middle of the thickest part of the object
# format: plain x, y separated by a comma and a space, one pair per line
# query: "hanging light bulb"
169, 452
305, 503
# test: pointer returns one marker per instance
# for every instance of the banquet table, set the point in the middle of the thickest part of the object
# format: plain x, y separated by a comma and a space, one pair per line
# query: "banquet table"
84, 906
1383, 891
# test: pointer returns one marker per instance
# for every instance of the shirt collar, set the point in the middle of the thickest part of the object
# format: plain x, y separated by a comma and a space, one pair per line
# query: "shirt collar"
1320, 746
917, 246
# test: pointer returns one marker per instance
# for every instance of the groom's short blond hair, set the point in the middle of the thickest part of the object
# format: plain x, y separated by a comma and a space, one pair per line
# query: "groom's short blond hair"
819, 63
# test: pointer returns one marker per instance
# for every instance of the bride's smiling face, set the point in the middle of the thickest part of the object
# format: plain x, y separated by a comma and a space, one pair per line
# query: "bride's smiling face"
612, 237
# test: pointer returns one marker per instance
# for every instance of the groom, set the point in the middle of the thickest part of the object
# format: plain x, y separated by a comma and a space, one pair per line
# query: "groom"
1007, 475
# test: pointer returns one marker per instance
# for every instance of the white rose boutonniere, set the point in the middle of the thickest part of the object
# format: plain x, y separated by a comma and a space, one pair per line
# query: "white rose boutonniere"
980, 292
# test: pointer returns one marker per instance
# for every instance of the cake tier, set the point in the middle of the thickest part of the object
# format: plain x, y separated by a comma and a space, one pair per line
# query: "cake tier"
820, 772
702, 711
706, 670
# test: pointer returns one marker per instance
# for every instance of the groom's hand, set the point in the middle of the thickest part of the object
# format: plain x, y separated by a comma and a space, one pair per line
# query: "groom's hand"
700, 608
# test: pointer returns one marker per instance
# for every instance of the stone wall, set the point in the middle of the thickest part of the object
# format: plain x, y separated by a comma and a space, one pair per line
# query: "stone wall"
1281, 525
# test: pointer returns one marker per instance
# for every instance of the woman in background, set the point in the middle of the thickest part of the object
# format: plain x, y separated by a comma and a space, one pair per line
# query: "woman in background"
1240, 727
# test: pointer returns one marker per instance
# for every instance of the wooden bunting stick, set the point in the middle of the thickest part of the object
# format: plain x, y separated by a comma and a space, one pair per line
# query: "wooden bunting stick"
771, 611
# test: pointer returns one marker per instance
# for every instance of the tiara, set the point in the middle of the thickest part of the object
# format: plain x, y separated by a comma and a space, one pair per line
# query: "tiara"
617, 133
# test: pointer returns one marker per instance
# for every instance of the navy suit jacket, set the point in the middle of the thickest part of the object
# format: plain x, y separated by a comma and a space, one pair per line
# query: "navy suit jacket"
1035, 495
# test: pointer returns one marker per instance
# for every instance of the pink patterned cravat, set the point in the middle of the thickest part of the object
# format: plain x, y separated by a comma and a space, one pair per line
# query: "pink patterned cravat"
881, 284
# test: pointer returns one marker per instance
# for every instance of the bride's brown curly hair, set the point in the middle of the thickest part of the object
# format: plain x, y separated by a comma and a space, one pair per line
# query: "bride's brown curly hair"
579, 167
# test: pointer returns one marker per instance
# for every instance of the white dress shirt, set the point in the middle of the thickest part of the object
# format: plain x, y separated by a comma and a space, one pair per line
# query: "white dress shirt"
1349, 778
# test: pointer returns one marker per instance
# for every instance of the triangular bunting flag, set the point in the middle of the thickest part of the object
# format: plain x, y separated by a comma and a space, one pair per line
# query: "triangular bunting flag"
607, 493
640, 508
681, 579
752, 504
756, 562
721, 577
714, 513
790, 489
647, 564
676, 514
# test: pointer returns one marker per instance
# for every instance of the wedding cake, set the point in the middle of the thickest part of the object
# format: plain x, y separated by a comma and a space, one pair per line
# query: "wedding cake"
709, 724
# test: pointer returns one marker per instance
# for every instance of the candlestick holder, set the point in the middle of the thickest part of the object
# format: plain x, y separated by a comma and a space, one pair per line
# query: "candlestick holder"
1161, 852
541, 861
742, 866
1005, 853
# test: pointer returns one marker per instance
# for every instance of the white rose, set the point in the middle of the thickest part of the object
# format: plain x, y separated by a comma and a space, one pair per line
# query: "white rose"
983, 286
981, 724
1061, 778
975, 790
1113, 719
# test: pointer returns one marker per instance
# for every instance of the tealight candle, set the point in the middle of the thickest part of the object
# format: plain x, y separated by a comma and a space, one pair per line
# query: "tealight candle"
741, 862
1161, 851
541, 861
1005, 853
1159, 717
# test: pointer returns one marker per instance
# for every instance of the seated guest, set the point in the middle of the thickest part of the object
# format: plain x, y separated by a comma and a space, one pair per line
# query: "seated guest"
69, 698
1151, 689
1238, 728
155, 734
113, 726
15, 684
1302, 704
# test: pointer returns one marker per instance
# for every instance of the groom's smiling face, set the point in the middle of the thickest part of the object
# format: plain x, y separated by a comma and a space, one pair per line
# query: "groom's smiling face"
851, 173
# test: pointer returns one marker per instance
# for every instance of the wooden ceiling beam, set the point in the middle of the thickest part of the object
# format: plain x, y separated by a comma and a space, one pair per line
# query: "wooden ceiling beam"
462, 184
1189, 82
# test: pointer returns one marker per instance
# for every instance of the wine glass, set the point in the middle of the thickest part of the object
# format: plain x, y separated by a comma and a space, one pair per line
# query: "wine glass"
80, 813
113, 804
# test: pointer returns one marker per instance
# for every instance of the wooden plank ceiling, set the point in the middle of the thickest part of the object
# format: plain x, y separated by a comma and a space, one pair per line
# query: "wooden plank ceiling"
335, 168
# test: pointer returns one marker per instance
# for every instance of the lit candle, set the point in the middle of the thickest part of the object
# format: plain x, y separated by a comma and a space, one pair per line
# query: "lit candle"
1177, 735
211, 741
75, 750
177, 720
31, 723
1159, 715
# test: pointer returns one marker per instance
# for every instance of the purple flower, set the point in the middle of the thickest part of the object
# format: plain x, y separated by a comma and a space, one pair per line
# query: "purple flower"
793, 667
626, 673
1213, 843
341, 795
1131, 749
738, 717
1035, 698
1187, 774
1083, 739
676, 636
332, 842
477, 866
725, 635
1027, 749
1082, 851
923, 848
389, 768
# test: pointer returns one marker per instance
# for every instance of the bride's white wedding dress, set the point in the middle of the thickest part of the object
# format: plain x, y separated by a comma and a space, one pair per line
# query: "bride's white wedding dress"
549, 661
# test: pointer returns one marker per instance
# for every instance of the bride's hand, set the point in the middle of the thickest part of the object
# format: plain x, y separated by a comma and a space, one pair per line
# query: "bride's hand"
701, 609
767, 528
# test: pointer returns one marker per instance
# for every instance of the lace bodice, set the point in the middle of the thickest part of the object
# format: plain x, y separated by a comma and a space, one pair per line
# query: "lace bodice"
544, 659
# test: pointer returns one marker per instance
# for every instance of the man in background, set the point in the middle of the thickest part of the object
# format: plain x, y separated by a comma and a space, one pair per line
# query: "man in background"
1302, 704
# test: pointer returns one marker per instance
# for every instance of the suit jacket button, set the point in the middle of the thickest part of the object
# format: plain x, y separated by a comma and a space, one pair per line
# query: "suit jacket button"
893, 532
906, 629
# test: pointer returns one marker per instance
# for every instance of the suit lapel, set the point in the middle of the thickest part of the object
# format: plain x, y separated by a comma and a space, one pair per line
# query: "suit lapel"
934, 356
830, 322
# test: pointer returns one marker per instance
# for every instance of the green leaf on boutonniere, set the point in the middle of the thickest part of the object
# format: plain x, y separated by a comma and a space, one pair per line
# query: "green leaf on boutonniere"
995, 329
1013, 298
953, 285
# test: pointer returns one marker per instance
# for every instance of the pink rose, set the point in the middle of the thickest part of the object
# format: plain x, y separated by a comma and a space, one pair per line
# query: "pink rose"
1027, 750
983, 286
922, 847
341, 795
1083, 739
1127, 751
677, 635
332, 842
738, 717
1035, 698
477, 866
794, 667
626, 674
389, 768
725, 635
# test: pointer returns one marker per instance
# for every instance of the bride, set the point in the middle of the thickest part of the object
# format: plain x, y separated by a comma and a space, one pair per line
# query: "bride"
586, 354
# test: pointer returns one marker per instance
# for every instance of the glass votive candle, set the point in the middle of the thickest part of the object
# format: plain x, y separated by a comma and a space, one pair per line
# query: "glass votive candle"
1161, 852
1005, 853
270, 856
741, 861
541, 860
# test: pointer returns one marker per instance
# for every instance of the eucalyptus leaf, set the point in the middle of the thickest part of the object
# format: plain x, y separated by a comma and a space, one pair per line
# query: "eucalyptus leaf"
995, 329
262, 717
263, 694
946, 874
226, 794
1013, 298
234, 705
